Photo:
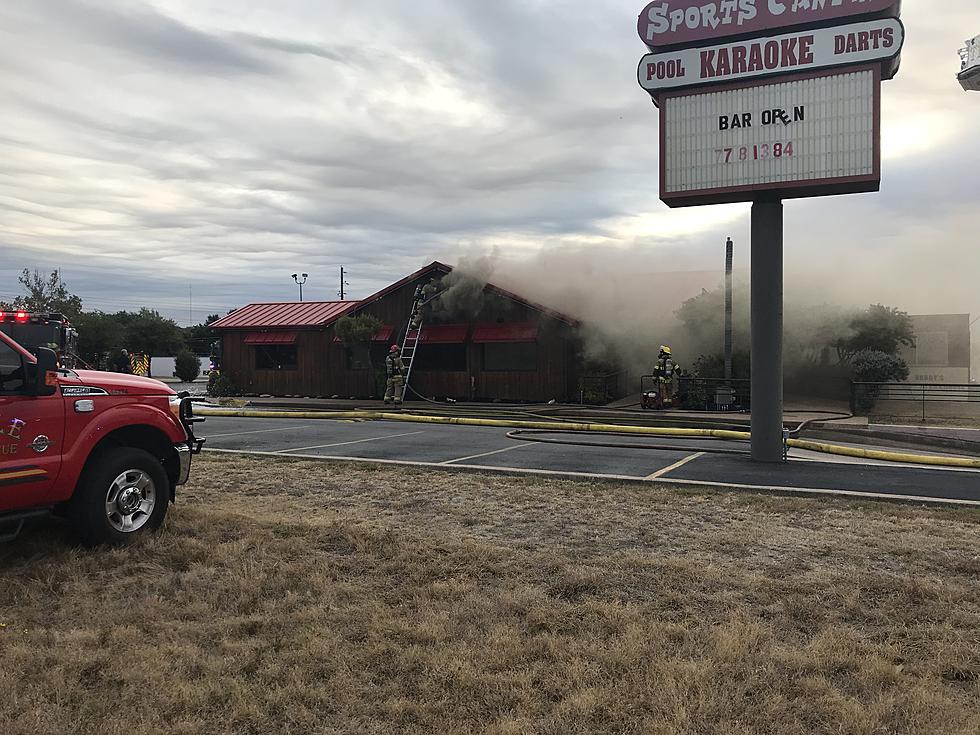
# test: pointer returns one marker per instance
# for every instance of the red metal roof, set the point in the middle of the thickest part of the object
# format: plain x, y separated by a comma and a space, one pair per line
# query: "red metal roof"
270, 338
382, 335
284, 315
443, 333
517, 332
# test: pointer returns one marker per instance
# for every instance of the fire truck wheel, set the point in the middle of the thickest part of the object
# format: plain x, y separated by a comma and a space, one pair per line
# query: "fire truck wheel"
123, 494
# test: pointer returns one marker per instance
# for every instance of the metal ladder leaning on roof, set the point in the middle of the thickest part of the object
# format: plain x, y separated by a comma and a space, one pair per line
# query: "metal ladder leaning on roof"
413, 334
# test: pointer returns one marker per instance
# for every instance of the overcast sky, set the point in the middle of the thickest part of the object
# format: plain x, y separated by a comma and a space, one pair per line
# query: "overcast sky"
151, 146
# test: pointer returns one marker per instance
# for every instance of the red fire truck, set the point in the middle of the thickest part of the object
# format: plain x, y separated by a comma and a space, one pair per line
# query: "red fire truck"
32, 330
107, 450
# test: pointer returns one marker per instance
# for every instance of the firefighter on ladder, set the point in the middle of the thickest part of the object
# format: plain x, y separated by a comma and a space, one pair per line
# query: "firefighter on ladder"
665, 371
395, 369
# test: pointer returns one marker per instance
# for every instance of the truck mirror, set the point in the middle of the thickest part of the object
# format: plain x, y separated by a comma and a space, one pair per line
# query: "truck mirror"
45, 378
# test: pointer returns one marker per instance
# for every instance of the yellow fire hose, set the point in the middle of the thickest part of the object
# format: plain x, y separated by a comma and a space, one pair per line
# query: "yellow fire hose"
876, 454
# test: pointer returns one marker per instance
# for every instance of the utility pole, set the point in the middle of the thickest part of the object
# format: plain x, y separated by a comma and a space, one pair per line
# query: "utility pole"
729, 256
343, 284
300, 283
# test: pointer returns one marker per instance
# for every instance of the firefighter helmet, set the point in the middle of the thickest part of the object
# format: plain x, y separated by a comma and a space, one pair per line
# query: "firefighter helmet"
394, 348
664, 350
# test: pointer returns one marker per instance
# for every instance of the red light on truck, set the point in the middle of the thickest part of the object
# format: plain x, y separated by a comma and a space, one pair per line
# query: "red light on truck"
21, 316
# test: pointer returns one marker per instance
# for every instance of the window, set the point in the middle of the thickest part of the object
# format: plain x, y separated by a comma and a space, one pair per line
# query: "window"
510, 357
275, 357
11, 370
446, 358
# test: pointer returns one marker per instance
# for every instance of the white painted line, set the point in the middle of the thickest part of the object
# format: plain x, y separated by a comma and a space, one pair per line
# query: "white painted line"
930, 433
676, 466
485, 454
344, 444
260, 431
627, 478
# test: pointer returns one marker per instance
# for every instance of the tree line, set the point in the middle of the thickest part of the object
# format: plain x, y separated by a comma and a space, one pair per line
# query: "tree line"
101, 333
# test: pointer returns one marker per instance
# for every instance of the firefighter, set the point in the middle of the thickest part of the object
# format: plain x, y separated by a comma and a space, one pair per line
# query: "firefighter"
395, 369
665, 372
423, 296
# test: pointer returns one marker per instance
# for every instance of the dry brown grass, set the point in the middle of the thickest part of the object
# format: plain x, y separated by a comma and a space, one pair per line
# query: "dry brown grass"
299, 597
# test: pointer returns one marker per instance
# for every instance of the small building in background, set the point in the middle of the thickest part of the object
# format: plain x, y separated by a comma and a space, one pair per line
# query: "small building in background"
479, 342
942, 349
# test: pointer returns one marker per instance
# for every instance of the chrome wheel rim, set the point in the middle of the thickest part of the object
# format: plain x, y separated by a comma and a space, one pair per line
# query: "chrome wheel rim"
130, 501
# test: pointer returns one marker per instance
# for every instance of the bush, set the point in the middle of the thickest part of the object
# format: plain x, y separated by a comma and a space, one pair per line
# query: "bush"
222, 385
872, 366
187, 366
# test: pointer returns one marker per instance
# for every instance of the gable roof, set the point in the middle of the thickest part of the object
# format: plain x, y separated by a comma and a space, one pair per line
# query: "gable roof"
292, 314
312, 314
436, 268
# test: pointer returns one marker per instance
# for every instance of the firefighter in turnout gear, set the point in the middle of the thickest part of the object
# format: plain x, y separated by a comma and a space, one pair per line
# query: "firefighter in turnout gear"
395, 369
665, 372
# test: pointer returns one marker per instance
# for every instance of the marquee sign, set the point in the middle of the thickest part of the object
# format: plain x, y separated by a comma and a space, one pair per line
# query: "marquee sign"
857, 43
670, 23
807, 135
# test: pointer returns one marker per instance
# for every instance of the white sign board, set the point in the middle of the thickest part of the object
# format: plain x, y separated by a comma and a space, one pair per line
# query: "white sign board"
857, 43
807, 136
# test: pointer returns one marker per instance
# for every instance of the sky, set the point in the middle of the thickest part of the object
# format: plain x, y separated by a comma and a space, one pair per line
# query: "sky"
189, 155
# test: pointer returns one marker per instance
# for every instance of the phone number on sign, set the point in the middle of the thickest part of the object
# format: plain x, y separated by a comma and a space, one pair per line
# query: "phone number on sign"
754, 152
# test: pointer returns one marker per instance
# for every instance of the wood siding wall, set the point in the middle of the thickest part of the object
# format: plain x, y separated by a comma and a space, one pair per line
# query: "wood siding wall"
322, 363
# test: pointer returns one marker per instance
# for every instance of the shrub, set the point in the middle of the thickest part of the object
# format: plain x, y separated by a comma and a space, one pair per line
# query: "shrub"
222, 385
872, 366
187, 366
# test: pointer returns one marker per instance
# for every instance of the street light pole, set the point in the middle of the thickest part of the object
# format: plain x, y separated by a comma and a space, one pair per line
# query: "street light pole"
296, 277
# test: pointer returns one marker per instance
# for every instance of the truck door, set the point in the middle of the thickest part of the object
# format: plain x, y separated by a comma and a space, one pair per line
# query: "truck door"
32, 430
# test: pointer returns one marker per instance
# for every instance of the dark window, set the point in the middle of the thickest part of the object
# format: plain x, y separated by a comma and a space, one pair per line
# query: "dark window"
448, 358
510, 357
11, 370
275, 357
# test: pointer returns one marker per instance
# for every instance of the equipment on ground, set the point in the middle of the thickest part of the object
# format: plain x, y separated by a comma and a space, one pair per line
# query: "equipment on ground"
969, 76
34, 330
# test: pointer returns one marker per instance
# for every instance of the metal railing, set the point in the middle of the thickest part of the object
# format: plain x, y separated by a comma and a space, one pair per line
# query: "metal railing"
597, 390
865, 396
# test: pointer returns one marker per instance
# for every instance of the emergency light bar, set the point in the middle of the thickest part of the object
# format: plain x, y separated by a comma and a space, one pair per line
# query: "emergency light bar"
24, 317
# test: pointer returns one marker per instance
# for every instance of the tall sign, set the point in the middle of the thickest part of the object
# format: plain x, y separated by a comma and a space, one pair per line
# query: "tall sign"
765, 100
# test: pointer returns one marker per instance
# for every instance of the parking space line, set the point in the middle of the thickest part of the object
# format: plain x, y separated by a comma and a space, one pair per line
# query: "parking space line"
676, 466
259, 431
726, 486
485, 454
343, 444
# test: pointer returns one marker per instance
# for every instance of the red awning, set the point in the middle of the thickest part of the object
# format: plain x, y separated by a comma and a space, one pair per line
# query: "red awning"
382, 335
443, 333
270, 338
521, 332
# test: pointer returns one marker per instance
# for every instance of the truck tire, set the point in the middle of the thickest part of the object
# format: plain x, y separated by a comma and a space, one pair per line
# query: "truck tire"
123, 494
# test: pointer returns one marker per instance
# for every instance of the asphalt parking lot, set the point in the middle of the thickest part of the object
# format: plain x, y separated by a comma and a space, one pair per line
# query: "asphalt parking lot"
682, 461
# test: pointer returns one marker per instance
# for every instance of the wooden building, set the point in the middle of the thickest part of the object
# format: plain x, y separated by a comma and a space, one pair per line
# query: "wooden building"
478, 343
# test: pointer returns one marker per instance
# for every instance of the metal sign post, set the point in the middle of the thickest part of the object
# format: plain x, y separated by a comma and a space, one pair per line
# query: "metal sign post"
767, 330
760, 102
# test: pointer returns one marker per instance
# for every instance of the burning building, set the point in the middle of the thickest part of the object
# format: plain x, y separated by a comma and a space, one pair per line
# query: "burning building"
479, 342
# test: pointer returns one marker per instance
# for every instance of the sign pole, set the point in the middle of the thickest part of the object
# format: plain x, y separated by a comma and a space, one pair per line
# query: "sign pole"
767, 330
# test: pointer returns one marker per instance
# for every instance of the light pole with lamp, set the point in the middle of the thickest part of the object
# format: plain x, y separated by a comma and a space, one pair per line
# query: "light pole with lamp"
296, 277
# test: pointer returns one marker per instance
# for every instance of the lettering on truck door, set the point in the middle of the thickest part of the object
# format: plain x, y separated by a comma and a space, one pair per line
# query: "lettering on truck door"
31, 437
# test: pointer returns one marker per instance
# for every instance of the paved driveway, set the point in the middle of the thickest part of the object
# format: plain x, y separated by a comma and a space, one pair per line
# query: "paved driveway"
674, 460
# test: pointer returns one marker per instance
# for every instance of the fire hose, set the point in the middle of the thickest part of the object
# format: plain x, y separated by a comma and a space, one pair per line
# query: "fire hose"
603, 429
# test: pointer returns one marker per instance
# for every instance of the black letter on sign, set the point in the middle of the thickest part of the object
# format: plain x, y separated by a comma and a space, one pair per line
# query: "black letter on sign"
723, 122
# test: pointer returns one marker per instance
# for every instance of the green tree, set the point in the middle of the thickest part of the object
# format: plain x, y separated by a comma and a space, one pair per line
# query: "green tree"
98, 333
46, 294
147, 331
874, 366
879, 329
356, 333
200, 336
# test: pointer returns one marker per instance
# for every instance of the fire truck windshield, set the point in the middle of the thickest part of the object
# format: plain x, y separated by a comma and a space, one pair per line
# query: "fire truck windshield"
33, 335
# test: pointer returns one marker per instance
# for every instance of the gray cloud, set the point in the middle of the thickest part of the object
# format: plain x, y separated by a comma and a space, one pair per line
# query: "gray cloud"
153, 148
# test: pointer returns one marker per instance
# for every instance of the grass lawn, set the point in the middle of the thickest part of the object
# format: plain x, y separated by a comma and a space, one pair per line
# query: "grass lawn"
299, 597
